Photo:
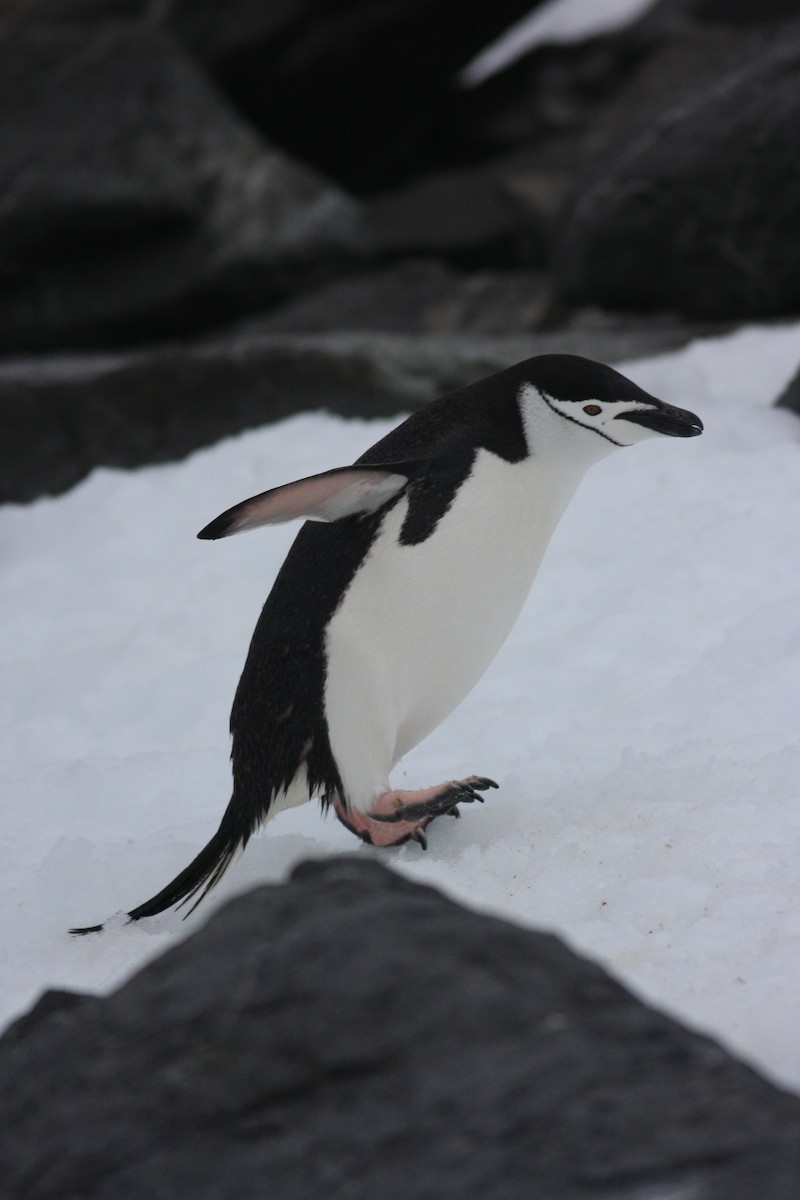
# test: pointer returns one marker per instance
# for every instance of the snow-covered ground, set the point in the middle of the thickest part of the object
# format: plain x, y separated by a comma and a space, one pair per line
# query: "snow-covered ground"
642, 720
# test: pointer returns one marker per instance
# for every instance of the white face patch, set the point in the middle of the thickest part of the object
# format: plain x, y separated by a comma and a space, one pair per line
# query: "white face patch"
560, 429
596, 415
600, 417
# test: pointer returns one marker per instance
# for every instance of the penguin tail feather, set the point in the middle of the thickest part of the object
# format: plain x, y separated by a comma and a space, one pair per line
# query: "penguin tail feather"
202, 874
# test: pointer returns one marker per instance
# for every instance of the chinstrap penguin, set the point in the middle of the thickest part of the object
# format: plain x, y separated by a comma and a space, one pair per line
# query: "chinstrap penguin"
399, 590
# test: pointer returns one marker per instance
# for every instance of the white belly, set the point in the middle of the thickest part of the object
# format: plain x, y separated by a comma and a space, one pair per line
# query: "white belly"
420, 624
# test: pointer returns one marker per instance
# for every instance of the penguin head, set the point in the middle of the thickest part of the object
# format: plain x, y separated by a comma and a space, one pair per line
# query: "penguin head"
580, 403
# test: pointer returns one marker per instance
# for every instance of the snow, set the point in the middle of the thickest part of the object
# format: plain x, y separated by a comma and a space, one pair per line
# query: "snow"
556, 21
641, 720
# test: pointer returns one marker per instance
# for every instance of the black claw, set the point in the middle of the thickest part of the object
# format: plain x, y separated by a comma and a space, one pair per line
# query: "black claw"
453, 812
463, 791
419, 836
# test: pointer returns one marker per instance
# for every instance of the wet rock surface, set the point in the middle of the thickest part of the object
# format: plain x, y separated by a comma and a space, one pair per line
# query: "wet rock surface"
693, 203
353, 1034
64, 415
340, 174
160, 211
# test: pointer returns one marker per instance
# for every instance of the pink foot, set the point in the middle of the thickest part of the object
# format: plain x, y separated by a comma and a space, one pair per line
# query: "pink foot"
376, 833
399, 815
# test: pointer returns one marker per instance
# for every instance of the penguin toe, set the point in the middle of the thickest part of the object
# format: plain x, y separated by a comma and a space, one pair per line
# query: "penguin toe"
401, 816
437, 801
480, 782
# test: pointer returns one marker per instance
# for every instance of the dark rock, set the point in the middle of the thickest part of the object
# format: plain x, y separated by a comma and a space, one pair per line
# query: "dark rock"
790, 396
631, 335
695, 202
388, 66
219, 33
160, 211
48, 1009
63, 416
548, 97
667, 17
429, 298
743, 12
539, 185
419, 296
352, 86
210, 30
351, 1034
469, 217
499, 214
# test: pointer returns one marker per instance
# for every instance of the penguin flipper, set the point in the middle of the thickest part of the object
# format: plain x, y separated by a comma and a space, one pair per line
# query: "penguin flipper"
330, 496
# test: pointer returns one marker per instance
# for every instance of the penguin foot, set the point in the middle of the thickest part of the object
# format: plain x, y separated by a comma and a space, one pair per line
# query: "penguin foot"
401, 806
374, 833
401, 816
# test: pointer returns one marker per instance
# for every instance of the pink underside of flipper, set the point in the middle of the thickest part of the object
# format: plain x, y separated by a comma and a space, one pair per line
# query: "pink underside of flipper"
326, 497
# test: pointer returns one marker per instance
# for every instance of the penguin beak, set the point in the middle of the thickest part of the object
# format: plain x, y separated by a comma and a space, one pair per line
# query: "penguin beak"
674, 422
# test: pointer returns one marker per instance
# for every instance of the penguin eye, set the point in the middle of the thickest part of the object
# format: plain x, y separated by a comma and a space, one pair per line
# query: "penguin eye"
592, 410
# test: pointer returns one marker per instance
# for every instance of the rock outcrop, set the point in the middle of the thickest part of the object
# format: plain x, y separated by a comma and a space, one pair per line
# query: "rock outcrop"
211, 217
694, 203
351, 1034
136, 203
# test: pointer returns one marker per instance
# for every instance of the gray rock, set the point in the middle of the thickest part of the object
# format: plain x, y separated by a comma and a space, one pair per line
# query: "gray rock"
694, 203
63, 416
357, 88
543, 103
743, 12
468, 216
389, 66
418, 296
210, 31
160, 211
353, 1035
47, 1010
430, 298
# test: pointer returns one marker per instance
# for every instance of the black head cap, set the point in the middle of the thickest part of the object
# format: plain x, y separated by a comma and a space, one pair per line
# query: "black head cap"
571, 378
